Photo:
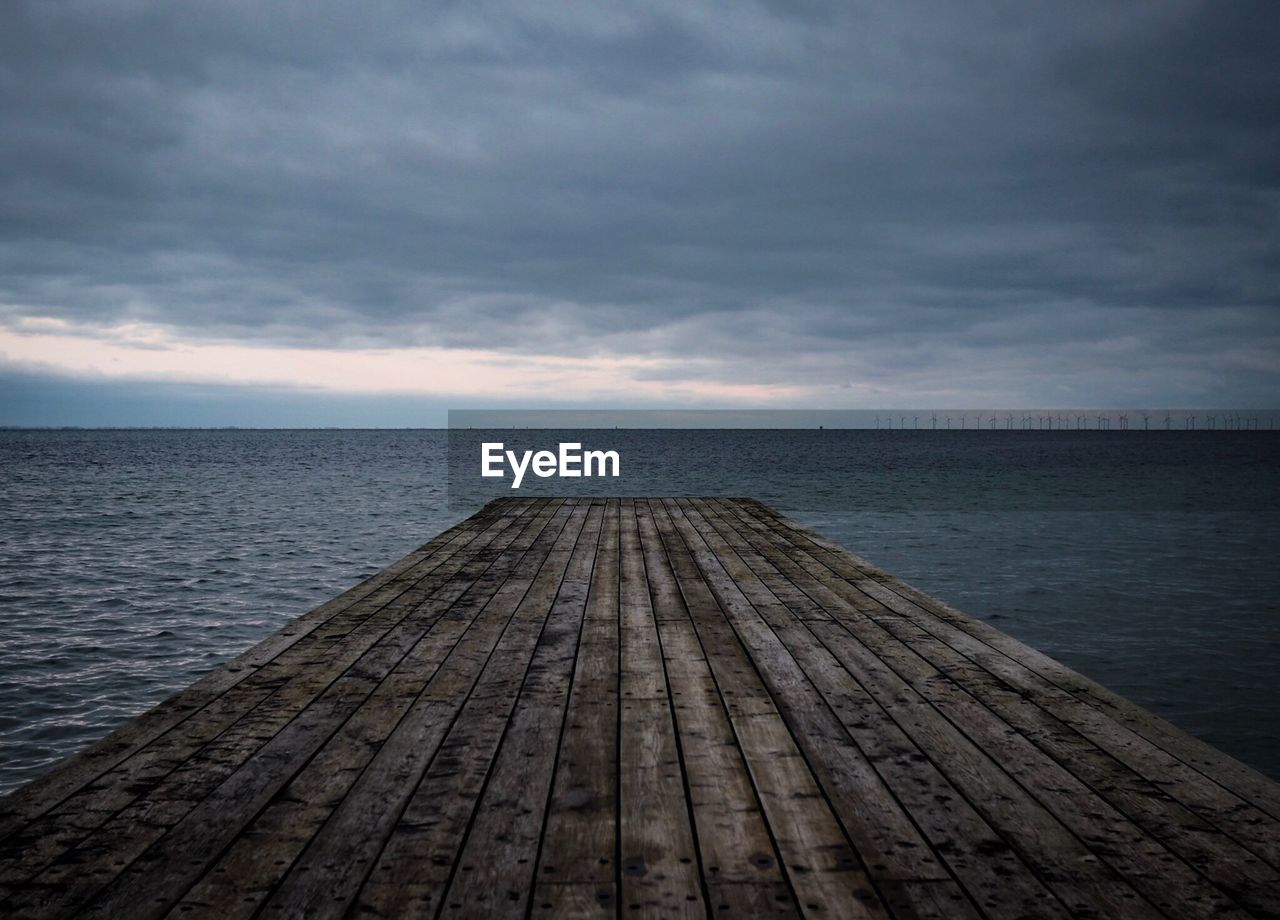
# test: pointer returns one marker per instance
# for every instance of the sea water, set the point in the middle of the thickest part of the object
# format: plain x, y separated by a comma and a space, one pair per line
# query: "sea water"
133, 562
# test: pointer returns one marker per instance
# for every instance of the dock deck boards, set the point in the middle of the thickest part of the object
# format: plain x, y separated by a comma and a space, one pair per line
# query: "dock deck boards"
648, 707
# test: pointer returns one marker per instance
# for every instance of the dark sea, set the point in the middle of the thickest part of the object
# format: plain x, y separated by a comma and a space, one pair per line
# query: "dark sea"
132, 562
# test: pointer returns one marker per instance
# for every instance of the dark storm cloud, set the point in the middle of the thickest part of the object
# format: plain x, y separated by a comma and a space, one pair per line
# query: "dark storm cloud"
1027, 199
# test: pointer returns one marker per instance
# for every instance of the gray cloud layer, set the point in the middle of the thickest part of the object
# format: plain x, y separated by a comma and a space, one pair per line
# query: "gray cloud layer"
1030, 201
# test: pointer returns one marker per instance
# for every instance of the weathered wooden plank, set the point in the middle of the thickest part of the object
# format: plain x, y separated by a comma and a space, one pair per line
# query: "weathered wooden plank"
1233, 815
161, 875
825, 874
737, 855
577, 870
975, 852
44, 793
240, 711
245, 874
112, 845
660, 876
889, 844
928, 900
991, 870
1241, 873
1216, 765
494, 871
656, 707
158, 878
911, 737
412, 804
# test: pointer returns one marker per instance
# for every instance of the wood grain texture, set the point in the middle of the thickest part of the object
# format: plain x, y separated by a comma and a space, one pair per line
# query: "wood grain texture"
642, 707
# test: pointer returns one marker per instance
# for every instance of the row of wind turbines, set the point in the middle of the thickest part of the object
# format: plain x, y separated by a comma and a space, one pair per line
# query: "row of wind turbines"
1230, 421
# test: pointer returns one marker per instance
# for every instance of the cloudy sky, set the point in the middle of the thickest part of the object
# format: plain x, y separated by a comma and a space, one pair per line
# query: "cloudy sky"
329, 213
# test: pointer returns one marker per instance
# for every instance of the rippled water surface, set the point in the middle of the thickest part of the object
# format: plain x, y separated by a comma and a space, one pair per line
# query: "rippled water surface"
131, 562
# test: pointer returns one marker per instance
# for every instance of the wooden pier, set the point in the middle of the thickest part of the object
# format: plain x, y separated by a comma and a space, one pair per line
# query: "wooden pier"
649, 707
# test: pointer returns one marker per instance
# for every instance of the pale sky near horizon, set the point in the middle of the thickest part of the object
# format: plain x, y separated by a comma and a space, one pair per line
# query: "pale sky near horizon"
322, 213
